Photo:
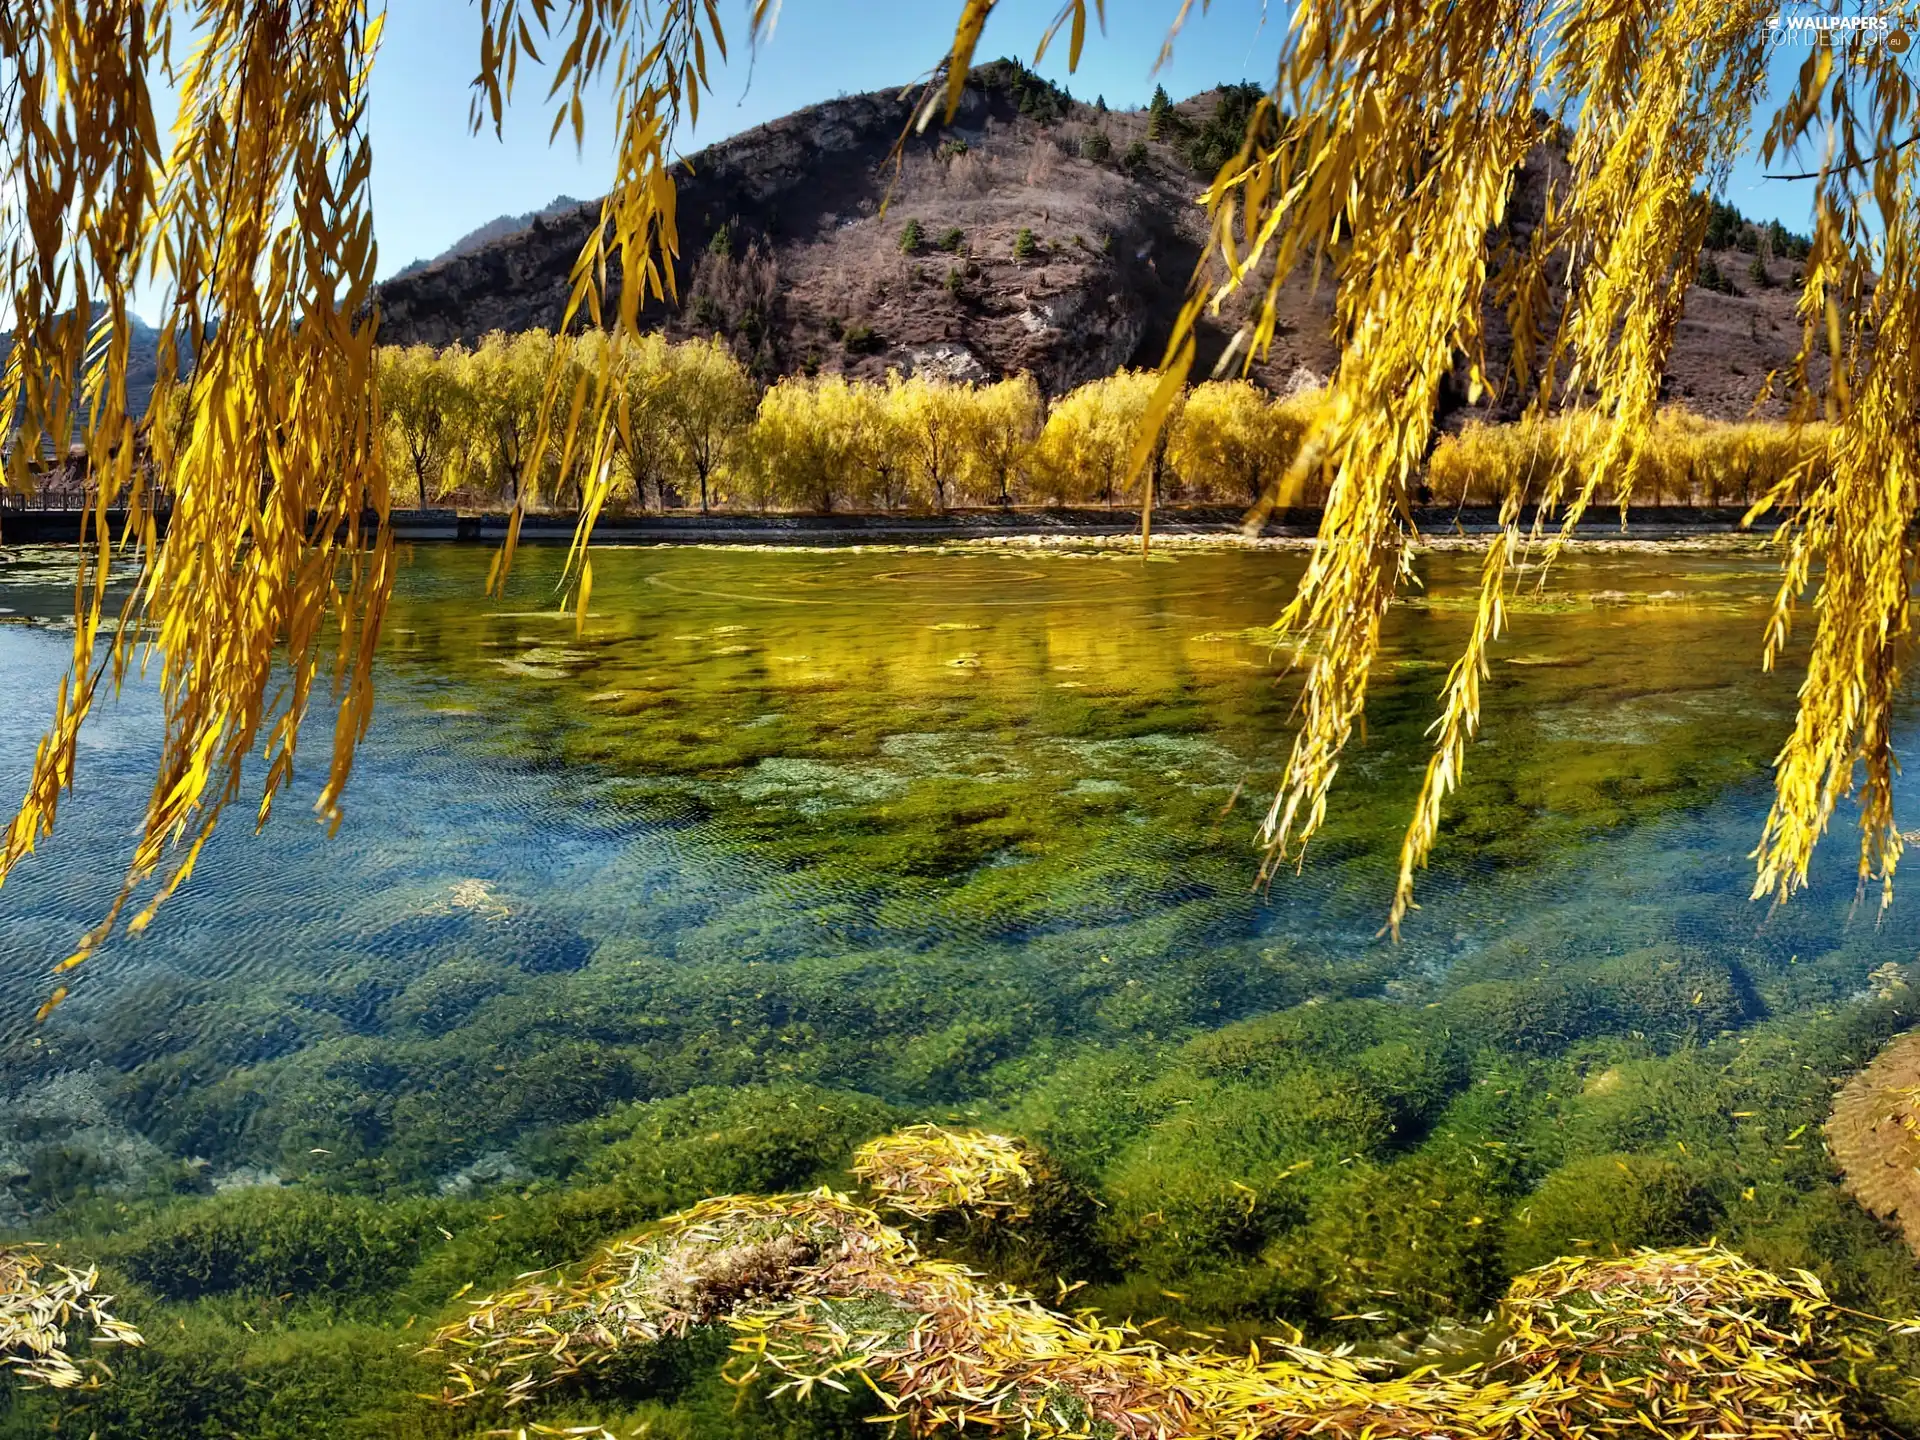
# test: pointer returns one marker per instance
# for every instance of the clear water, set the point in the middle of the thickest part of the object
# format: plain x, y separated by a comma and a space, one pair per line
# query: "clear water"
786, 848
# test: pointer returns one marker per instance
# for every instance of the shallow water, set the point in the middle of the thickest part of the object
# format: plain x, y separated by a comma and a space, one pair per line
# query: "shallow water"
782, 849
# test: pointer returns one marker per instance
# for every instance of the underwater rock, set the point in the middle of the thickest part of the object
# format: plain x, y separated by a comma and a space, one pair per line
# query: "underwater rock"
414, 935
496, 1167
475, 919
58, 1138
247, 1177
543, 946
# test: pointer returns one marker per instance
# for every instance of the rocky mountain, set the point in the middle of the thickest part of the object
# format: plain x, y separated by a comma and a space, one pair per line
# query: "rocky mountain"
497, 228
143, 366
1037, 232
1054, 237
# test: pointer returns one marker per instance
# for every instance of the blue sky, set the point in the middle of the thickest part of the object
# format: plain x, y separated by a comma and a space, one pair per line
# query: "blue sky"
434, 181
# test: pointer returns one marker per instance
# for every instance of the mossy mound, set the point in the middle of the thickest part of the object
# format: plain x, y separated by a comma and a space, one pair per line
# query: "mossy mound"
1874, 1134
290, 1242
1682, 1342
820, 1293
925, 1170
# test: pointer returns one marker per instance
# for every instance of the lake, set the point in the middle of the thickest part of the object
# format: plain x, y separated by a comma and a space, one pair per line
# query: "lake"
783, 849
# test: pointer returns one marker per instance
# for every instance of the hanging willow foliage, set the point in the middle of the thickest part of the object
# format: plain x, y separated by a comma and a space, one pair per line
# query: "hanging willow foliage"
1386, 152
1409, 123
258, 214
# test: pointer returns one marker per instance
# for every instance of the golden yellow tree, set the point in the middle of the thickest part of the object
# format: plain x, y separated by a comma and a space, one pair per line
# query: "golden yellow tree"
882, 454
1002, 424
805, 442
712, 398
505, 376
645, 418
1083, 453
1224, 446
932, 422
424, 403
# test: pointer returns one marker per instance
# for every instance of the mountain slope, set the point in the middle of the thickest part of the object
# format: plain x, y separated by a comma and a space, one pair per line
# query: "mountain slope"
791, 239
812, 272
497, 228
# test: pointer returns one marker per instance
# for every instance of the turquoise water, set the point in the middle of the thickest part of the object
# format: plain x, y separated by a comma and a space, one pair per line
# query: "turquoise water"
785, 849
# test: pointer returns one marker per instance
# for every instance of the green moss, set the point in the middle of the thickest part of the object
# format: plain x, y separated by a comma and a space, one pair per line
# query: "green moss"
1391, 1246
280, 1241
496, 1239
210, 1379
1225, 1167
712, 1141
1610, 1205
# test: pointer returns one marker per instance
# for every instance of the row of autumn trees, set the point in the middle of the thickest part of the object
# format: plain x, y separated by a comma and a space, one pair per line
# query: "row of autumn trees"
699, 431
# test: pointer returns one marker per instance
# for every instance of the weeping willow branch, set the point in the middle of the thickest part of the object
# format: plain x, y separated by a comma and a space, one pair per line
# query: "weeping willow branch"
1335, 171
264, 228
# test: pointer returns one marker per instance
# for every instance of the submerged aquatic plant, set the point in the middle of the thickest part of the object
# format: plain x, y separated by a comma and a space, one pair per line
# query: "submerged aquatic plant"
45, 1308
821, 1293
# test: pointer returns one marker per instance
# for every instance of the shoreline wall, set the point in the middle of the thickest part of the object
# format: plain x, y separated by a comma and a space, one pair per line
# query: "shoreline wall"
1644, 522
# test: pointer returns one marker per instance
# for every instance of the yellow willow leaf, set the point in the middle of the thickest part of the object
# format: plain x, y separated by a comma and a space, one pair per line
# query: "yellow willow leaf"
966, 35
51, 1003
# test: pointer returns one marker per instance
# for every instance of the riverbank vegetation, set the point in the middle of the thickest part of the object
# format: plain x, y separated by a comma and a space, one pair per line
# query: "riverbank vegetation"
696, 430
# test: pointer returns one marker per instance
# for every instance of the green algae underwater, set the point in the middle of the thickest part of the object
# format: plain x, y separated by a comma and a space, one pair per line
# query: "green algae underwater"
784, 850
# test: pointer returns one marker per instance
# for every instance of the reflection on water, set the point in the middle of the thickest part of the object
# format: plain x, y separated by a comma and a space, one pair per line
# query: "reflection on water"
781, 849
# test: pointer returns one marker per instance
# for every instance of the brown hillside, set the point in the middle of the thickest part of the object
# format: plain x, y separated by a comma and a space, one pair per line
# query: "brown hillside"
814, 276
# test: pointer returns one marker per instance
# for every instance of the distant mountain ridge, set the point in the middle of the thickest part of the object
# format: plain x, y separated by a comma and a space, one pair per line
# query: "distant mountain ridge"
143, 367
497, 228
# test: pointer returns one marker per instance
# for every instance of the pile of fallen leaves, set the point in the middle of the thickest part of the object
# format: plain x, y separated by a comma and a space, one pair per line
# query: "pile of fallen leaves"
45, 1309
820, 1291
1678, 1342
926, 1171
